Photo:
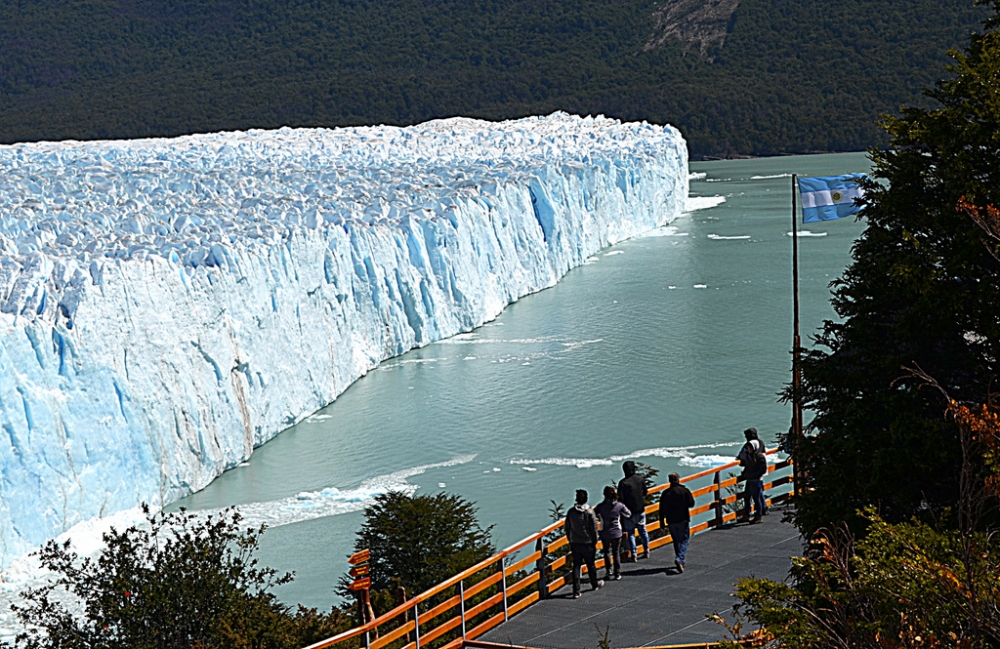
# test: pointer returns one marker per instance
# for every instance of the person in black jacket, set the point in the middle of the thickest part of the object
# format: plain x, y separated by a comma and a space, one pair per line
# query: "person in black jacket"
753, 459
632, 493
675, 505
581, 529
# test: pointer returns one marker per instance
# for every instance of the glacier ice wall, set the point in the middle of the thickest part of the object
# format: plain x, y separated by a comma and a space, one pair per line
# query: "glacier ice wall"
167, 305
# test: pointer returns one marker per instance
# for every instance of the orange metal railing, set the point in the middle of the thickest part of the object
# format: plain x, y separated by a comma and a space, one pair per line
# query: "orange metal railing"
490, 592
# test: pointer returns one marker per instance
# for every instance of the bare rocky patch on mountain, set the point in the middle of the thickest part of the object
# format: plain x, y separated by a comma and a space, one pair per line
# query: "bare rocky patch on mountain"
701, 24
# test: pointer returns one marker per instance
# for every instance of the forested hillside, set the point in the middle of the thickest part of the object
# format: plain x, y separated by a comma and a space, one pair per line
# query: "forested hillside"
736, 76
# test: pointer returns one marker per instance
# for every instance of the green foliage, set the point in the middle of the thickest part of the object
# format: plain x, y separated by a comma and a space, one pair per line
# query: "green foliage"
903, 585
603, 637
184, 582
790, 76
921, 292
419, 541
648, 473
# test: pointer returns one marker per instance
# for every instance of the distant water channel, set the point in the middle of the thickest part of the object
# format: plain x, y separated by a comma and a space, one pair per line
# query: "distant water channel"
660, 349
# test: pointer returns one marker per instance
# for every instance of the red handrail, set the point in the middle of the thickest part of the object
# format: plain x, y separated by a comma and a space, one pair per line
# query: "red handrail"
412, 627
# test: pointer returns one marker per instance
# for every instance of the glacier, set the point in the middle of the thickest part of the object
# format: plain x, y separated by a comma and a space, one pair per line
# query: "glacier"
168, 305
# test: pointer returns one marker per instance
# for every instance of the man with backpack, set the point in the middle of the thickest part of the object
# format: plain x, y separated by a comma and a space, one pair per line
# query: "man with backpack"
753, 459
632, 492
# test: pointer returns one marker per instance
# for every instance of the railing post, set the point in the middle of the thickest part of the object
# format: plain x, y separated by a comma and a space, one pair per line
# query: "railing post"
543, 580
416, 624
503, 585
718, 499
400, 600
461, 604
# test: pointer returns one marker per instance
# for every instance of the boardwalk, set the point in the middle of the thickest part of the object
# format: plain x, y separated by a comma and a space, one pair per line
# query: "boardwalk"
652, 604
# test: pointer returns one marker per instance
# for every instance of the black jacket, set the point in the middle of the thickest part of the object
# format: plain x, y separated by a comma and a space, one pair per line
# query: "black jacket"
632, 489
752, 470
675, 501
581, 525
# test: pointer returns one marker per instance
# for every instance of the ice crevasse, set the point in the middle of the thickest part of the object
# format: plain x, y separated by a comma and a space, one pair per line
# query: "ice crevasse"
167, 305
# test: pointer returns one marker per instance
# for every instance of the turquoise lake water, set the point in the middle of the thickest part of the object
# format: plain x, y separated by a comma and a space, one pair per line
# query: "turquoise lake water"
661, 349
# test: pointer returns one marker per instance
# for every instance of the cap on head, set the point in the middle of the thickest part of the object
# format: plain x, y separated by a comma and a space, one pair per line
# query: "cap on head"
751, 433
674, 478
581, 496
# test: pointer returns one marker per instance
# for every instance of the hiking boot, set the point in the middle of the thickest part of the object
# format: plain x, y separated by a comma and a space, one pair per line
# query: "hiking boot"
680, 566
755, 520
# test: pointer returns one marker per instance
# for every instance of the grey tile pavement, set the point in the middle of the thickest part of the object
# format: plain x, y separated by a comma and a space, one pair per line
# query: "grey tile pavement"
652, 604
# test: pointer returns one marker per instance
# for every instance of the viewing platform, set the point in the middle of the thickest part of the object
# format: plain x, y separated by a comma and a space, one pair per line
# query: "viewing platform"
654, 605
521, 596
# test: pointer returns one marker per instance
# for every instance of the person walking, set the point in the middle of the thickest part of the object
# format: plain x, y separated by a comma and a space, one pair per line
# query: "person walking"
632, 493
611, 511
581, 529
676, 502
753, 459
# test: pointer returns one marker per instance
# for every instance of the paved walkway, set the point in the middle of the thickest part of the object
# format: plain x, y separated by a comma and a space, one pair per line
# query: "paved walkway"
652, 604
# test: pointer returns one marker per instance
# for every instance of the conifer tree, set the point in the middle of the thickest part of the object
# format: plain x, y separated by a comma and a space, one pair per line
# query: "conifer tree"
923, 291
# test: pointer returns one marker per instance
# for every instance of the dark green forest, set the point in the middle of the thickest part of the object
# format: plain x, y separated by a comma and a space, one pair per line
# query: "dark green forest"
781, 76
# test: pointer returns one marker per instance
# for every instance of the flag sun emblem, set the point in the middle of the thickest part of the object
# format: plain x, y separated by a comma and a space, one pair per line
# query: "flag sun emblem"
836, 196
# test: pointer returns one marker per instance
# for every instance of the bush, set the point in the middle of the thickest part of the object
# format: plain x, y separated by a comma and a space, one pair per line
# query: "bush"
417, 542
186, 581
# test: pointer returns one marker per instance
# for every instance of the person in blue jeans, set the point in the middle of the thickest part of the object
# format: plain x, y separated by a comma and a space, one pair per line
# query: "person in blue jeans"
632, 493
676, 502
753, 459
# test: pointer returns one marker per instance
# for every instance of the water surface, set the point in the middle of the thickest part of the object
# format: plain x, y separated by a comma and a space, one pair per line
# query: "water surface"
660, 349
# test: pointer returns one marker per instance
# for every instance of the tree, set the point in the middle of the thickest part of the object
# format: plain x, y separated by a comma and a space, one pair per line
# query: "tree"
419, 541
921, 291
184, 581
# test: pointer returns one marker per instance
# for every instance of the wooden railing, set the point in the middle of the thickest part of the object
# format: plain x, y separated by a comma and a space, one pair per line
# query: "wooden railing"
490, 592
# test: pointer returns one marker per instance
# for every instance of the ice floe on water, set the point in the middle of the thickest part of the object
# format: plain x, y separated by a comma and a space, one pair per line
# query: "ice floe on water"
667, 231
695, 203
705, 461
588, 463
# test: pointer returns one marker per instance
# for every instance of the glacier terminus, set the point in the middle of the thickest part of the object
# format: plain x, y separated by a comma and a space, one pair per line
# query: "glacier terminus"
168, 305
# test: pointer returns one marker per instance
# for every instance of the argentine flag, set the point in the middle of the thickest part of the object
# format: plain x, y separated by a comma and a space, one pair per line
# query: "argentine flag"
825, 198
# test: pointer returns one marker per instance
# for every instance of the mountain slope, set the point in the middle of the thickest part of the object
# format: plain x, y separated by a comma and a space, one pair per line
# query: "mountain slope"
736, 76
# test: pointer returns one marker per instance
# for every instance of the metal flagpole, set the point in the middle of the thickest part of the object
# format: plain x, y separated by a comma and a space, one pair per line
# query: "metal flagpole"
796, 345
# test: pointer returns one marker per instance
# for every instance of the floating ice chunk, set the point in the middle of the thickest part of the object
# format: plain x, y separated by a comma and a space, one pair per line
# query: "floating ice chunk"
695, 203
